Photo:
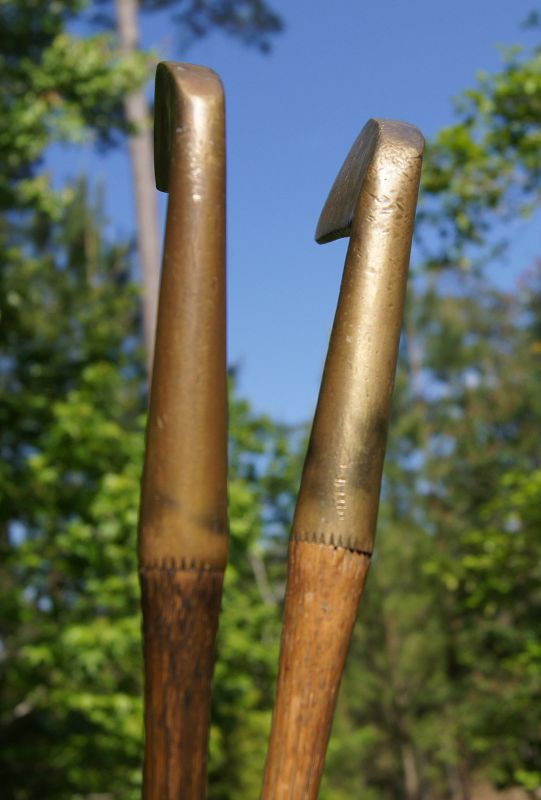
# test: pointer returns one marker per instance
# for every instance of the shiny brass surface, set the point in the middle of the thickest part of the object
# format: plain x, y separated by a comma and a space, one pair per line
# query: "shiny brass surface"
183, 518
373, 200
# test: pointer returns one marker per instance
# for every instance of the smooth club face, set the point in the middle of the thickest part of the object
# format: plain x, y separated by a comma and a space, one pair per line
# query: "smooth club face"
386, 143
182, 92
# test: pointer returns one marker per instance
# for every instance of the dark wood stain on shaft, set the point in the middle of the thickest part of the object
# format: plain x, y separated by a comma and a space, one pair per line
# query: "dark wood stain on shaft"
183, 525
180, 612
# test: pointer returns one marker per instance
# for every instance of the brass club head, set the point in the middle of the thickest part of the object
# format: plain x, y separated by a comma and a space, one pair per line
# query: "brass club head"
181, 91
400, 139
372, 201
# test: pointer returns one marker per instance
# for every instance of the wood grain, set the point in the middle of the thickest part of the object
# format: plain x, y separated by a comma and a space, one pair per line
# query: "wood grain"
180, 613
325, 584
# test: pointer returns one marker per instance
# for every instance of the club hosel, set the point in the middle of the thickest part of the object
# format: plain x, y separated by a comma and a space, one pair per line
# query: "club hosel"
184, 496
340, 487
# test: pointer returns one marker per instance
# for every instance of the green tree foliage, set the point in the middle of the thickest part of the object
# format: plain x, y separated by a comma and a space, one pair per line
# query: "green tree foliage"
250, 21
486, 168
72, 422
442, 686
73, 432
59, 86
72, 442
262, 474
443, 678
55, 87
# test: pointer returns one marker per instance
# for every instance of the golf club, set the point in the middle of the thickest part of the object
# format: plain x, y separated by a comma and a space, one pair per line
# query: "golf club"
373, 201
183, 529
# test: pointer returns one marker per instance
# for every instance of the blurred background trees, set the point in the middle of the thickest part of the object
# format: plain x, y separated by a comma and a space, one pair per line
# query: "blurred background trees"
251, 21
444, 678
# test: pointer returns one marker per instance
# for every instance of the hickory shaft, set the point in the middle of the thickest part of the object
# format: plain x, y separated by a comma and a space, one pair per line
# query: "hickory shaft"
333, 531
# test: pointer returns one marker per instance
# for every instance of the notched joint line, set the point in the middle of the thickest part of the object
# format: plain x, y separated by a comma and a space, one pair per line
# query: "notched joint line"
178, 565
338, 542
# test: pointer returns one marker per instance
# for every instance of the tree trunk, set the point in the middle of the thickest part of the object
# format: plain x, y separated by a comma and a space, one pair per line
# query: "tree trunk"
399, 703
142, 166
412, 783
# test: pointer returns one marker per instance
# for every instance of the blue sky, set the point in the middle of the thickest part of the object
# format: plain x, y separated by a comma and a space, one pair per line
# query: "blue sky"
292, 117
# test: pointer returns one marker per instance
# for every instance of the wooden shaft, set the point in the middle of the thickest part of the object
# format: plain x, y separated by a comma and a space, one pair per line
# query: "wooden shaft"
324, 587
333, 531
180, 612
183, 529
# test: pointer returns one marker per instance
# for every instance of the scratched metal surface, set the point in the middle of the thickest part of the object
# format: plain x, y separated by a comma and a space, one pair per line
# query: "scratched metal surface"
373, 200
